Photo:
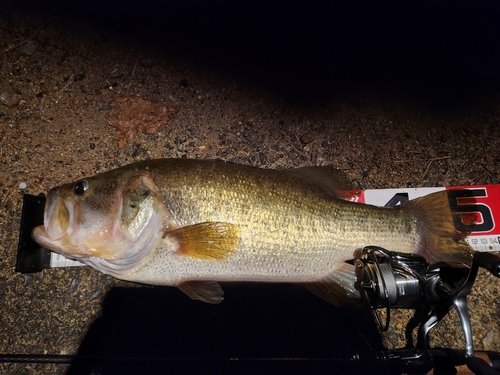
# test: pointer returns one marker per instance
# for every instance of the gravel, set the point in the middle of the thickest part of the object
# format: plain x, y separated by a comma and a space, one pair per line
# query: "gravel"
54, 129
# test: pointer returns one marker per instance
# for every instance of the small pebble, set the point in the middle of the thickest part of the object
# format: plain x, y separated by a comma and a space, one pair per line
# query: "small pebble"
491, 338
73, 286
23, 185
29, 48
95, 295
79, 77
56, 321
9, 98
27, 280
147, 63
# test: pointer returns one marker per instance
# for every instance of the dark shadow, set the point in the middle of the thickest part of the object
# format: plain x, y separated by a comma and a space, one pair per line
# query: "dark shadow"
149, 330
438, 53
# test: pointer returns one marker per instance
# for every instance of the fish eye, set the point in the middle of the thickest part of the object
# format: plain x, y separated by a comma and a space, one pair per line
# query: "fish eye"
81, 186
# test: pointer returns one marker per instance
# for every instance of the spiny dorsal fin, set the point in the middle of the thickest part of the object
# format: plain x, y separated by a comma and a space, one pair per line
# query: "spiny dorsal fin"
211, 240
205, 291
333, 181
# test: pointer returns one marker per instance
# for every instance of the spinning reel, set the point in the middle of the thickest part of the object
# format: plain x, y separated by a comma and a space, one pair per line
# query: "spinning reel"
390, 280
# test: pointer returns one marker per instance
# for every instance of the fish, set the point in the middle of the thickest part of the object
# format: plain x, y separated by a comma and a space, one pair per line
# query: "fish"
194, 224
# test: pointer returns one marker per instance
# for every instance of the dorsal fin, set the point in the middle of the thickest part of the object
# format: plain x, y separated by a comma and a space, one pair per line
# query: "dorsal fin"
333, 181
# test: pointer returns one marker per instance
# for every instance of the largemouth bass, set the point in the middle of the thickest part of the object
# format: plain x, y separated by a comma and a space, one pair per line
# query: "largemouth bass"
194, 223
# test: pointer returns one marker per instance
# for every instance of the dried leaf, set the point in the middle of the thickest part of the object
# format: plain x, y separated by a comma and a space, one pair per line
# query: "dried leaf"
131, 115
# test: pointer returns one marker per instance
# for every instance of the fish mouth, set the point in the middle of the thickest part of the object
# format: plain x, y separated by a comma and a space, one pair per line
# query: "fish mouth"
60, 221
61, 246
59, 216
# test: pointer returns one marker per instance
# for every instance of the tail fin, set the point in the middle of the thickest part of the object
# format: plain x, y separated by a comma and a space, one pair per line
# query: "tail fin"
440, 240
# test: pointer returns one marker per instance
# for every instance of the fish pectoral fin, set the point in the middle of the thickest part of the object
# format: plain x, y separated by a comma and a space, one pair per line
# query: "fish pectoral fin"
211, 240
205, 291
338, 287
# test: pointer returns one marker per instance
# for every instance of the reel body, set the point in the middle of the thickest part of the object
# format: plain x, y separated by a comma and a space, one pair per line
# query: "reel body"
392, 280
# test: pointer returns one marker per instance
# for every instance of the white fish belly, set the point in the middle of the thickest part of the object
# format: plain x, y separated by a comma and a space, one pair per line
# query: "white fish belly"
310, 261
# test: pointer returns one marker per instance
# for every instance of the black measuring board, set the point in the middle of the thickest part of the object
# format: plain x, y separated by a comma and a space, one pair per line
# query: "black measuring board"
31, 257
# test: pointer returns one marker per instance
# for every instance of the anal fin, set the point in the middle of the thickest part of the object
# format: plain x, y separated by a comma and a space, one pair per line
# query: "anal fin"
338, 287
205, 291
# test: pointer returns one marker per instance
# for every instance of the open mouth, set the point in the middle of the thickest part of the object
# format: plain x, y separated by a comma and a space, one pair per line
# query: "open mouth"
58, 216
60, 220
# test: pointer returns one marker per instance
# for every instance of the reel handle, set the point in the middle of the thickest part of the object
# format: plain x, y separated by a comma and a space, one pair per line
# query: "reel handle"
489, 261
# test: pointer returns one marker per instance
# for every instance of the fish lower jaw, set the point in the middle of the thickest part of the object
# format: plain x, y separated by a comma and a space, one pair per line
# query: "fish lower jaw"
41, 237
138, 251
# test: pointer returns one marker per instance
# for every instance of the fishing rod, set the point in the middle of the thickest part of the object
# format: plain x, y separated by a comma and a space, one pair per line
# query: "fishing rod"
437, 362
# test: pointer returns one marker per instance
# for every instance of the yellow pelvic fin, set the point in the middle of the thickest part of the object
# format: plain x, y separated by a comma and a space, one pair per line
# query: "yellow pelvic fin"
207, 241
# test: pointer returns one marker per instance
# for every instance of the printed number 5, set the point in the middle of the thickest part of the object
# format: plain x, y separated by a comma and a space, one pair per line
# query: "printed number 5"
483, 210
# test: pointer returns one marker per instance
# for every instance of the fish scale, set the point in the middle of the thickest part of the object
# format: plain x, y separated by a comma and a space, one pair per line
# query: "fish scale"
281, 217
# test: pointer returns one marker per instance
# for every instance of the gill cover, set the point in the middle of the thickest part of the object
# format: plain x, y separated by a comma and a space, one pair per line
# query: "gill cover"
139, 225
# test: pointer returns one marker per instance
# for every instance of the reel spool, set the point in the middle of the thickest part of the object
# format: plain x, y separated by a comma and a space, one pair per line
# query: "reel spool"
394, 280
